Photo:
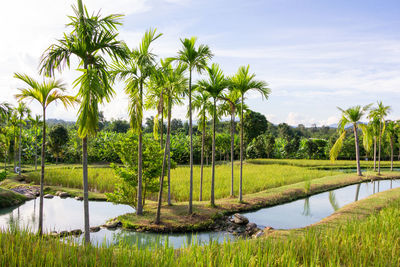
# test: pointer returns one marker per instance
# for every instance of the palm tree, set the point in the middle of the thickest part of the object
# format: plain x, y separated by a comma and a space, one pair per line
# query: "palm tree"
36, 123
243, 81
14, 122
392, 130
214, 85
45, 93
136, 73
201, 103
351, 115
91, 38
196, 59
380, 113
229, 107
174, 84
22, 110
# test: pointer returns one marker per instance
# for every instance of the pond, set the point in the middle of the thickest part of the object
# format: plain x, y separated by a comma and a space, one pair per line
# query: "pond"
67, 214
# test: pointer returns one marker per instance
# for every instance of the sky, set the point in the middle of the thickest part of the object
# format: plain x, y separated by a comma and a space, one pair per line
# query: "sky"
315, 55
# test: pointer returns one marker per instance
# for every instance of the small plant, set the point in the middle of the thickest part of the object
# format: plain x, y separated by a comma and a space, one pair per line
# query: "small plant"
3, 175
307, 186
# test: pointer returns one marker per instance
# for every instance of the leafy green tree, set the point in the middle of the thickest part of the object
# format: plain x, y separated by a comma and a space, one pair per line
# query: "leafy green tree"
214, 85
380, 113
176, 125
203, 105
195, 59
136, 73
45, 93
243, 81
91, 38
58, 138
351, 115
392, 130
126, 191
254, 125
118, 126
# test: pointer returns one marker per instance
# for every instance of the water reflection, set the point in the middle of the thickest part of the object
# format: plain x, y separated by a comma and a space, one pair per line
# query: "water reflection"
306, 208
332, 200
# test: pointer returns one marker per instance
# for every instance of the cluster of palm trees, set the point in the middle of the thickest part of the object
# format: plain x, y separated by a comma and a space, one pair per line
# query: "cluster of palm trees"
93, 41
372, 132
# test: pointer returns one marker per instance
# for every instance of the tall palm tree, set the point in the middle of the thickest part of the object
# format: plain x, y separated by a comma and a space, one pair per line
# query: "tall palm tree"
201, 103
14, 122
174, 84
243, 81
392, 130
229, 107
22, 110
215, 84
136, 73
352, 116
196, 59
380, 113
92, 37
45, 93
36, 124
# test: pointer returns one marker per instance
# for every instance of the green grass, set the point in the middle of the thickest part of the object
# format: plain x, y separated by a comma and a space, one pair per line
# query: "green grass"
9, 198
256, 178
365, 233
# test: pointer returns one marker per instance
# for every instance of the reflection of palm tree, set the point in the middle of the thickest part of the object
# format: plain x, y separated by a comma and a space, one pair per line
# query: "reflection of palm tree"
378, 182
306, 208
332, 200
357, 192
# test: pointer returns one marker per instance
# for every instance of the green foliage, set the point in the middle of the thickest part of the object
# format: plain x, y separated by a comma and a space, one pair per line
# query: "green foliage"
58, 138
254, 124
3, 175
125, 191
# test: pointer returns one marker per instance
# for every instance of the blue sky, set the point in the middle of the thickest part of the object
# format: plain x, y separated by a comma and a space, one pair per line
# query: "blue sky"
315, 55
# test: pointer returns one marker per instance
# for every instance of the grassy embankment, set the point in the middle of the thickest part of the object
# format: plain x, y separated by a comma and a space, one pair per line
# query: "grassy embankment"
255, 178
9, 198
364, 233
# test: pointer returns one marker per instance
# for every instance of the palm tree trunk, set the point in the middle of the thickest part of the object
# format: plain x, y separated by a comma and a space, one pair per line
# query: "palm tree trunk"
191, 145
139, 209
36, 148
357, 151
15, 149
203, 134
85, 189
157, 221
391, 153
241, 150
19, 146
169, 155
213, 155
162, 119
40, 230
232, 146
374, 153
379, 148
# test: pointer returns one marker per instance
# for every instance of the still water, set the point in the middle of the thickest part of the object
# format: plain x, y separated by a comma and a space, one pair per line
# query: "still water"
67, 214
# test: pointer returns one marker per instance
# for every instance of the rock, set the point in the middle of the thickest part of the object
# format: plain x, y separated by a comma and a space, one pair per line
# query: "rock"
258, 234
75, 232
63, 194
48, 196
112, 224
268, 228
63, 233
29, 195
251, 228
79, 198
240, 219
94, 229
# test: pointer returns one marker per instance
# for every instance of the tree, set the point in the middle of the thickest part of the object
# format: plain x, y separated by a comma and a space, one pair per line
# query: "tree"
243, 81
176, 125
36, 123
22, 110
351, 115
196, 59
392, 130
58, 138
174, 86
91, 38
45, 93
119, 126
136, 72
254, 125
380, 113
202, 104
231, 106
214, 85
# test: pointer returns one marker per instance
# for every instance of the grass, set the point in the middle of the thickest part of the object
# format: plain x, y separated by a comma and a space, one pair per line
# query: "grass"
344, 239
9, 198
255, 178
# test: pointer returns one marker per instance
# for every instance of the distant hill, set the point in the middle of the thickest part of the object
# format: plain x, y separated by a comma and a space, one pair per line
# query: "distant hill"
57, 121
